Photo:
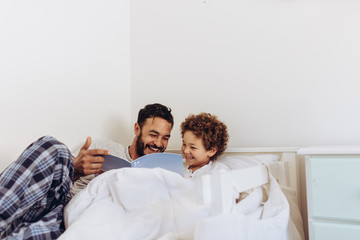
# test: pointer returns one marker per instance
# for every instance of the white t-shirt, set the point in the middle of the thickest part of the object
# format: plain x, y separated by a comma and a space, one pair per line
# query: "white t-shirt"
114, 148
211, 167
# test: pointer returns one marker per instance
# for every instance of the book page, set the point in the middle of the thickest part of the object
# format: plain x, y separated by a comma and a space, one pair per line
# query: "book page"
169, 161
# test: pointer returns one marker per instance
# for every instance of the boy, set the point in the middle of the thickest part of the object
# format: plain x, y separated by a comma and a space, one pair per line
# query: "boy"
204, 140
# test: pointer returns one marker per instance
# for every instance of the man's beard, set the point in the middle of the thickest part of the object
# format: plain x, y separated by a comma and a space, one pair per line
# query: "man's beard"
140, 146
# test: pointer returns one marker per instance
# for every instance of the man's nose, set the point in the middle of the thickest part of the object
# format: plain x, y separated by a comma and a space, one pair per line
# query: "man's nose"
158, 142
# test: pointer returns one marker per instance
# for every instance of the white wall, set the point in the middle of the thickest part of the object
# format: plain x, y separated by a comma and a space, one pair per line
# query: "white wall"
64, 71
279, 73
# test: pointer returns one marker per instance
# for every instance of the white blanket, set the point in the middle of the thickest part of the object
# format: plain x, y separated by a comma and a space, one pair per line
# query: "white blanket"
135, 203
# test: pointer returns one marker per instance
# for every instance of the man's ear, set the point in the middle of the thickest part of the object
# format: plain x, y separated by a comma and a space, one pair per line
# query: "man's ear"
213, 151
137, 129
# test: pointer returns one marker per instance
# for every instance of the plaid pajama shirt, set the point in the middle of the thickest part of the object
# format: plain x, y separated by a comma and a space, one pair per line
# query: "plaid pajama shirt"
33, 191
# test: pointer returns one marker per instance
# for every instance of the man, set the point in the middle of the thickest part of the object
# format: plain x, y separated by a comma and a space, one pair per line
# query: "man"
152, 133
34, 189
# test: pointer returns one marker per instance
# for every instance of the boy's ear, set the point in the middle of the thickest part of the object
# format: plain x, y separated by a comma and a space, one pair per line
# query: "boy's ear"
213, 151
137, 129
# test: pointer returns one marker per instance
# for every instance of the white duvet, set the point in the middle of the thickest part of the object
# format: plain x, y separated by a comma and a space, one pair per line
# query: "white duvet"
136, 203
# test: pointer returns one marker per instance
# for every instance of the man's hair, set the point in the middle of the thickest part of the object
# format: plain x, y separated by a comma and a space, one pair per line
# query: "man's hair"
210, 129
155, 110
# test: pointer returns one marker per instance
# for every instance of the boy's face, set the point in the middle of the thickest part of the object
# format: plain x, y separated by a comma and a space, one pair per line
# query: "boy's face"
194, 151
153, 136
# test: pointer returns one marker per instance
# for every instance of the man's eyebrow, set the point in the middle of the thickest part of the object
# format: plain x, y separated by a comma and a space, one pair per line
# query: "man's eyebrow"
156, 132
153, 131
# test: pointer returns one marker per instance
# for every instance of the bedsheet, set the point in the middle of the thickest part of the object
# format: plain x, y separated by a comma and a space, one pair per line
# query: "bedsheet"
140, 203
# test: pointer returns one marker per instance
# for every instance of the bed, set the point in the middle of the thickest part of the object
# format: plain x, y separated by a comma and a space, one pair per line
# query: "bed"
257, 199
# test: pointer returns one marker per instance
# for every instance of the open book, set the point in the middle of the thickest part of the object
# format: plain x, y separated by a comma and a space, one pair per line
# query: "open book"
169, 161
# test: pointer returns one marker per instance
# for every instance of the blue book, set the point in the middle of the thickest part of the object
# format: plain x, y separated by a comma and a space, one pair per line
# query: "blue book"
169, 161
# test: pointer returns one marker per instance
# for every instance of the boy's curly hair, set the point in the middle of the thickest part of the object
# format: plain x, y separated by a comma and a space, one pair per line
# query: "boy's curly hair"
207, 127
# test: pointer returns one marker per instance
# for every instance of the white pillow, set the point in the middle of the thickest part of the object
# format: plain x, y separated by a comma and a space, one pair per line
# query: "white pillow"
244, 161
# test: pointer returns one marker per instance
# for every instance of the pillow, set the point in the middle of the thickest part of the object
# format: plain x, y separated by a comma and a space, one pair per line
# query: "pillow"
245, 161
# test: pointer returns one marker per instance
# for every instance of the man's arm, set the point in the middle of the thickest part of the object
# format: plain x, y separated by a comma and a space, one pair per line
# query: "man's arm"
87, 161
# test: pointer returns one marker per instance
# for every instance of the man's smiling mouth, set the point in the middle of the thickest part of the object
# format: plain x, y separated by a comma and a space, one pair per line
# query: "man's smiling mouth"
155, 149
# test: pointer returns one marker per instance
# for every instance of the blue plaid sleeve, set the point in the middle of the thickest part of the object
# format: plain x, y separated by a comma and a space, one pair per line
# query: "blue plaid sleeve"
33, 191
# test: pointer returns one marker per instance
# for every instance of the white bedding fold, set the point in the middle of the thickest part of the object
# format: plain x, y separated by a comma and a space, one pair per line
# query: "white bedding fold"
133, 203
136, 203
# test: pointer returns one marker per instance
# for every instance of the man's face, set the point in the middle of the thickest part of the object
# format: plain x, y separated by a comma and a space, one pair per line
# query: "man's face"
153, 137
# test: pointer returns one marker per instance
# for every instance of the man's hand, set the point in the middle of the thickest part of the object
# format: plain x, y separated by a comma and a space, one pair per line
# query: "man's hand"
87, 162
